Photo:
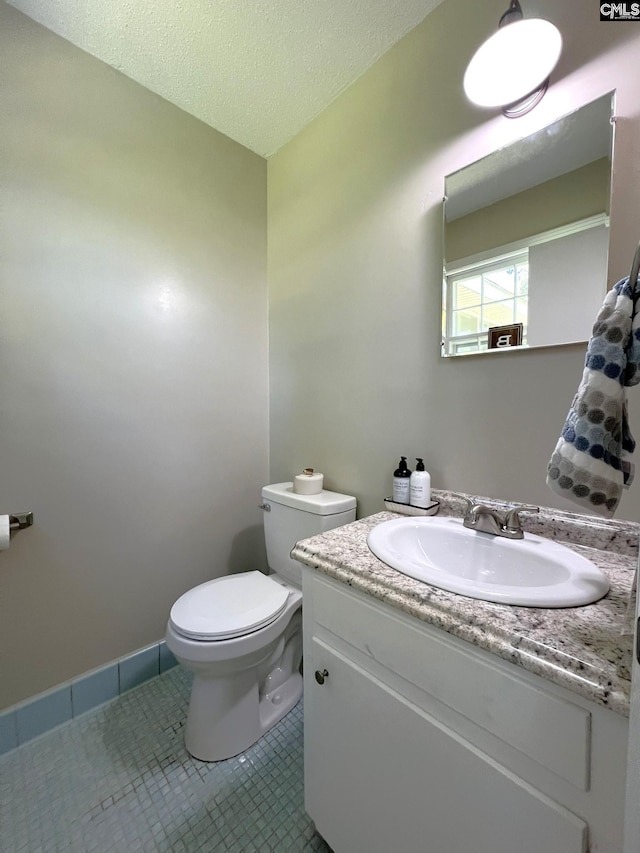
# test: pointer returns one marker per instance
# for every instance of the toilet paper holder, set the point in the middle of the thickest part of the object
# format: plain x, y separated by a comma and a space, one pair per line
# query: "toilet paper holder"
20, 520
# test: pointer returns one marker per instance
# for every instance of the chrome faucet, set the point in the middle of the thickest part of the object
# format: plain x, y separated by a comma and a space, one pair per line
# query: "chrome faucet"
486, 519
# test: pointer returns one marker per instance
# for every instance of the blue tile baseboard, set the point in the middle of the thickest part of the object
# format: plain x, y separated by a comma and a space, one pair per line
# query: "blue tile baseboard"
44, 712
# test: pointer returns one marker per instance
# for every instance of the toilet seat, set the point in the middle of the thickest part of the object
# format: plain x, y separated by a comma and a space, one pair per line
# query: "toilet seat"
228, 607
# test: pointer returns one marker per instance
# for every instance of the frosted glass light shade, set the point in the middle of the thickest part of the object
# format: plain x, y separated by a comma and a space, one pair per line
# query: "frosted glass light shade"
515, 61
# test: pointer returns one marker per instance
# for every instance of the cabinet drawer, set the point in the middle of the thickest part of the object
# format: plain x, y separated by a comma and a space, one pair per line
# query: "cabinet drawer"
550, 730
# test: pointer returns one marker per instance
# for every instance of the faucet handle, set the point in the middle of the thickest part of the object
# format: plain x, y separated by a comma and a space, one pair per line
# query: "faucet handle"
512, 518
470, 502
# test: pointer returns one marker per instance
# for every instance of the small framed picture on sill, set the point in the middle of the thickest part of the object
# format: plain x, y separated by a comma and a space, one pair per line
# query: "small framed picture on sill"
501, 337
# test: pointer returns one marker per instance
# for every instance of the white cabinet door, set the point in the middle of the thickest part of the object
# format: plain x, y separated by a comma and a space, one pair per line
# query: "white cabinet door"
381, 776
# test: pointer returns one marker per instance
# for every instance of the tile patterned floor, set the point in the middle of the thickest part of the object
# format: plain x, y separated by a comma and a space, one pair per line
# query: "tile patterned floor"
119, 780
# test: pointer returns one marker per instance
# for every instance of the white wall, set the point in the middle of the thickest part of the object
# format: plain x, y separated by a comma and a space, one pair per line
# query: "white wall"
567, 285
133, 358
355, 266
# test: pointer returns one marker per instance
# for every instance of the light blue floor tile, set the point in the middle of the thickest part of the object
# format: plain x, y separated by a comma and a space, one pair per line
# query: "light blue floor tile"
119, 780
8, 732
41, 715
138, 668
94, 689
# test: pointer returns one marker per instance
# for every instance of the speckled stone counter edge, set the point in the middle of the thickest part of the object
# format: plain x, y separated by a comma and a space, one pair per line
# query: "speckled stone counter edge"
582, 649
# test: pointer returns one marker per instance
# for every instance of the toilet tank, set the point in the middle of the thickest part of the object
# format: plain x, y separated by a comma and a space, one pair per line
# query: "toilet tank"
292, 517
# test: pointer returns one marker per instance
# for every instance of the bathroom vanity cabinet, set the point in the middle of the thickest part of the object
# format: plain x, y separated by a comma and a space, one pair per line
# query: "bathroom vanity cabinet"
416, 741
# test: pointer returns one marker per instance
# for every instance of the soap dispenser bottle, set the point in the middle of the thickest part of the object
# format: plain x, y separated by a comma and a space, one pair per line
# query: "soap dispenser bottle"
420, 486
401, 482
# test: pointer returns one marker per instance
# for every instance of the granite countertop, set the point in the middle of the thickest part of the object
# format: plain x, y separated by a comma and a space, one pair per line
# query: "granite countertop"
584, 649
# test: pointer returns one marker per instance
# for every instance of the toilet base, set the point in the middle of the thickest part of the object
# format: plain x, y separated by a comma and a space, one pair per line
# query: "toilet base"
234, 702
212, 735
275, 705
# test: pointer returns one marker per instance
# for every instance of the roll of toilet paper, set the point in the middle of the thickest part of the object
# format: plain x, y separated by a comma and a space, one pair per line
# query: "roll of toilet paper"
308, 483
5, 532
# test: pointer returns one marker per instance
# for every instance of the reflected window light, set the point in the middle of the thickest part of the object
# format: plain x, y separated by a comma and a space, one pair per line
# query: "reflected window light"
167, 298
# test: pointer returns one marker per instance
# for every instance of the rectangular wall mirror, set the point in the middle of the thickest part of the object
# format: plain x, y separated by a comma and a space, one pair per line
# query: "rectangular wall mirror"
526, 238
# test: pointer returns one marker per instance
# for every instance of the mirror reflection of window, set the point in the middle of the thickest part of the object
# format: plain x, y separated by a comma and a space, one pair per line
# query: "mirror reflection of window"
526, 236
483, 296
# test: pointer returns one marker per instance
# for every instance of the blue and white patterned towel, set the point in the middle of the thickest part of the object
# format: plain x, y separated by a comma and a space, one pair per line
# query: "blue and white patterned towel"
591, 463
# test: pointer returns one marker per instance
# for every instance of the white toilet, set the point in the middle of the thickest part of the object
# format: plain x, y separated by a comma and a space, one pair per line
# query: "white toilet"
241, 635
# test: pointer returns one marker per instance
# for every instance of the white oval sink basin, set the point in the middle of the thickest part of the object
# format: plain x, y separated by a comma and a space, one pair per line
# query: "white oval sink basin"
530, 572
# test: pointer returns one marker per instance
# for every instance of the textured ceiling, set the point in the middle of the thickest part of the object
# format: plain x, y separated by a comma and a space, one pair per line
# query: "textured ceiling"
256, 70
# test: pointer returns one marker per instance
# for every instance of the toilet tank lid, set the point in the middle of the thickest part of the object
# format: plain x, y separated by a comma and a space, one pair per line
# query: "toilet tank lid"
324, 503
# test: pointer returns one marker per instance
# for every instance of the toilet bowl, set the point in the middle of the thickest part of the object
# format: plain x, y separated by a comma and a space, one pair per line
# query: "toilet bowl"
241, 635
243, 682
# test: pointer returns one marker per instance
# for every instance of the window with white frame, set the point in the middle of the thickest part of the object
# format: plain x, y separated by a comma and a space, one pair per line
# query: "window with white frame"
483, 295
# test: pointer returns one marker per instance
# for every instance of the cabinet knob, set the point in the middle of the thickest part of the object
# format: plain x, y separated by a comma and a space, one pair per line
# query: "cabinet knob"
321, 675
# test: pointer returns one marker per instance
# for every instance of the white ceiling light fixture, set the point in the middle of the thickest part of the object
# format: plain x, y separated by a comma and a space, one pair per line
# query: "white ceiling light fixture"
511, 69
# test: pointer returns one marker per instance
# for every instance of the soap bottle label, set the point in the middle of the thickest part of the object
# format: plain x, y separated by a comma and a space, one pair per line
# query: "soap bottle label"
417, 494
401, 490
